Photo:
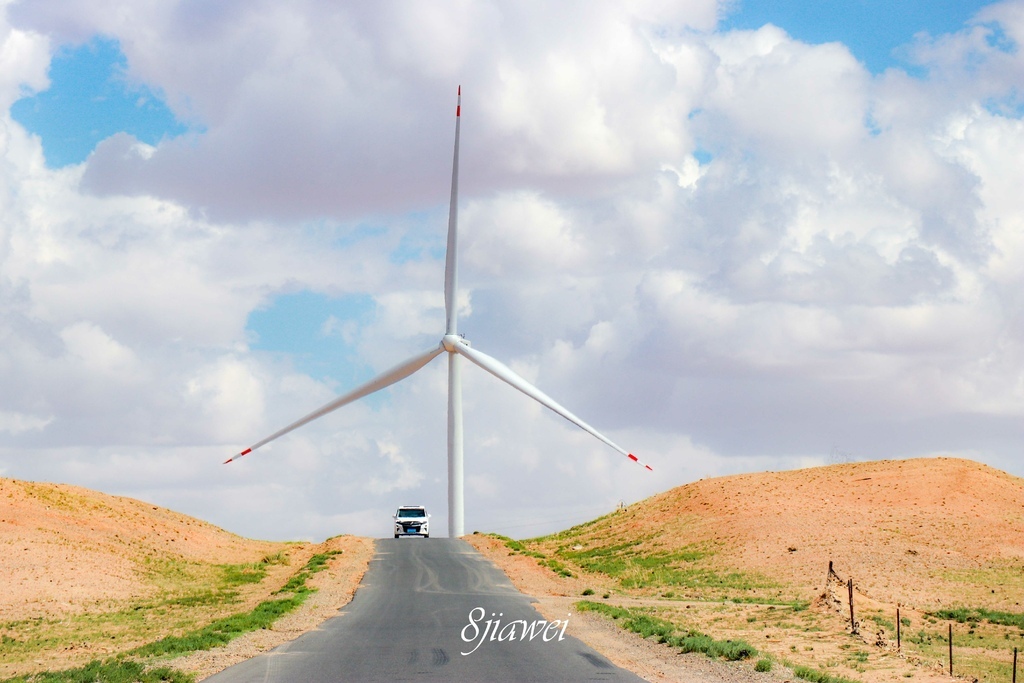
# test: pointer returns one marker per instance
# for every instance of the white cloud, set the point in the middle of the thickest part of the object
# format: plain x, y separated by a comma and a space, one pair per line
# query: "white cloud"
24, 57
231, 396
16, 423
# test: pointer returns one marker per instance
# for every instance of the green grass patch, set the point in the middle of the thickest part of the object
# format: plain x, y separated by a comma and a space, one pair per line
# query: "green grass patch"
242, 574
517, 546
111, 671
318, 562
647, 625
223, 631
817, 676
297, 584
883, 622
763, 666
973, 615
922, 638
557, 567
191, 584
636, 565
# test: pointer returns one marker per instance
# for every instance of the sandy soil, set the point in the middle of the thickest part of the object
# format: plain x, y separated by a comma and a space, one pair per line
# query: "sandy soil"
908, 532
64, 549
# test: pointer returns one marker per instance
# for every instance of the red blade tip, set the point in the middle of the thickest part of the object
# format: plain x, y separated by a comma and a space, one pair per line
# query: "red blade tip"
649, 467
633, 457
247, 451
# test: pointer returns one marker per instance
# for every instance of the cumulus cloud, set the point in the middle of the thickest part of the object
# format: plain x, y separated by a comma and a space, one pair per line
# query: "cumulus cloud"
730, 250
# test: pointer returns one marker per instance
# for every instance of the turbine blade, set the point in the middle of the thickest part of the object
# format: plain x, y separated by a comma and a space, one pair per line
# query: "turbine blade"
504, 373
386, 379
451, 275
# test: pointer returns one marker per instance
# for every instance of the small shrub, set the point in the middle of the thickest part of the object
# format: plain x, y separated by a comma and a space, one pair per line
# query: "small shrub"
763, 666
588, 591
276, 558
883, 622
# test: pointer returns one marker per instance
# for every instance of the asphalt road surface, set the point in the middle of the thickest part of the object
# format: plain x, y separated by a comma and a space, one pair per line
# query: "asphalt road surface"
420, 606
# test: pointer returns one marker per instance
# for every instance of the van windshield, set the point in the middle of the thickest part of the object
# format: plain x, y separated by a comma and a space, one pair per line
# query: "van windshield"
411, 513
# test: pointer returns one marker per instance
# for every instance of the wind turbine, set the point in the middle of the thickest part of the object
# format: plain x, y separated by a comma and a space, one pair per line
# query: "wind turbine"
457, 347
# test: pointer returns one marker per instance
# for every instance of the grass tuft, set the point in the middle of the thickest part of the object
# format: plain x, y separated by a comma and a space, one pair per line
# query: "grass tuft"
816, 676
223, 631
968, 615
647, 626
110, 671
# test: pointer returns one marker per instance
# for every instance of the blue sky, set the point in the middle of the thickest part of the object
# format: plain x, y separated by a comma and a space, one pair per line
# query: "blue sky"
89, 99
315, 332
840, 275
873, 30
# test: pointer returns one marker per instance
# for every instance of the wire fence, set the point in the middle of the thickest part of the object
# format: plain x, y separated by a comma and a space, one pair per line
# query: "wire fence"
836, 589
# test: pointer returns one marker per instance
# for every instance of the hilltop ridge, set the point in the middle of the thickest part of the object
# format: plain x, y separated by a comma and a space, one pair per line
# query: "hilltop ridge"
908, 531
65, 548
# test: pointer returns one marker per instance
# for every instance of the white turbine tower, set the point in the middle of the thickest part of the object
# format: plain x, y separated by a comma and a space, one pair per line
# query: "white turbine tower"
456, 346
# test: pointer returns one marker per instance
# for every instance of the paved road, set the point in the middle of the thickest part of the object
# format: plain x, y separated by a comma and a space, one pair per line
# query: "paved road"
410, 621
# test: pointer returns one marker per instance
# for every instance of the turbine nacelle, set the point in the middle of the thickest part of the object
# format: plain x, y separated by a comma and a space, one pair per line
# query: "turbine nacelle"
451, 342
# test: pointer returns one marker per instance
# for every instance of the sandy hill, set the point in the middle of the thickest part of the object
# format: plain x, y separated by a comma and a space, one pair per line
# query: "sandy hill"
64, 549
920, 532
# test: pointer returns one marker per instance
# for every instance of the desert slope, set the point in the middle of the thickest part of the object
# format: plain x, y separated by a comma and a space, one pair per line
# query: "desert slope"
916, 532
745, 558
64, 549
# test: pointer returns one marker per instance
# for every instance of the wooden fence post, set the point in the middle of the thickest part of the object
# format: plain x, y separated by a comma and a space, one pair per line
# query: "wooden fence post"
853, 623
1014, 665
951, 649
897, 629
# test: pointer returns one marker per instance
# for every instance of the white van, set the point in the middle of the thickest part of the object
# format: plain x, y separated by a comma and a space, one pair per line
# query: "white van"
412, 520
